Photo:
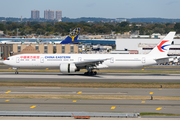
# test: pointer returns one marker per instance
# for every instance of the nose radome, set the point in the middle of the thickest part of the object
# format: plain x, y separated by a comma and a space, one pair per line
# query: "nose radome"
2, 61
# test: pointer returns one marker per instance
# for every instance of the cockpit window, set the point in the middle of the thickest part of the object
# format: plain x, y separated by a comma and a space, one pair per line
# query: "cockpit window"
7, 59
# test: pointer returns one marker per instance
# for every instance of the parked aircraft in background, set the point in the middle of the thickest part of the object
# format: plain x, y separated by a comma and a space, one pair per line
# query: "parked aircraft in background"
72, 37
69, 63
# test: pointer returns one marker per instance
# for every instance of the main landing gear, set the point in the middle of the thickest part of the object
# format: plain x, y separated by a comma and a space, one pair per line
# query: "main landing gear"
90, 73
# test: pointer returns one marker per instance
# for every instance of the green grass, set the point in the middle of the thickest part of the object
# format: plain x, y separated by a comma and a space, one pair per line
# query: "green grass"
157, 114
91, 84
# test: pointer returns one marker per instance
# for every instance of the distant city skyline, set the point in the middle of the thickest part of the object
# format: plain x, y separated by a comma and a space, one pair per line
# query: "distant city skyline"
94, 8
34, 14
49, 14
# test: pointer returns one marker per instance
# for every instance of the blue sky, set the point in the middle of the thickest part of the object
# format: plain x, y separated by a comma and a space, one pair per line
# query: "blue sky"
93, 8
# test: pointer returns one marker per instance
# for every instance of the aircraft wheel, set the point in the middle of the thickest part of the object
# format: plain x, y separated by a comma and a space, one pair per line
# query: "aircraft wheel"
16, 72
95, 73
89, 73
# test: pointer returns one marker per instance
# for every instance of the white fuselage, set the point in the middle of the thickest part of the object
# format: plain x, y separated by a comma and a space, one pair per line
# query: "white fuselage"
54, 60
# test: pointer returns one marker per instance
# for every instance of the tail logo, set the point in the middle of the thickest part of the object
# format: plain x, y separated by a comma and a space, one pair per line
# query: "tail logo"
161, 47
74, 33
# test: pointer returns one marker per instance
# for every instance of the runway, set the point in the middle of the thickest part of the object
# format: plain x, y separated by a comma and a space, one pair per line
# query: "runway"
89, 91
80, 77
90, 105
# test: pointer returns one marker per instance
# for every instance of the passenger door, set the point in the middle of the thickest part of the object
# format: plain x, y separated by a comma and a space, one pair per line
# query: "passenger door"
42, 59
79, 59
143, 60
112, 60
17, 60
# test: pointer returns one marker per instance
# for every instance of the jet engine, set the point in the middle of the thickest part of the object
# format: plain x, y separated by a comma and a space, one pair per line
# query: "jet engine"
68, 68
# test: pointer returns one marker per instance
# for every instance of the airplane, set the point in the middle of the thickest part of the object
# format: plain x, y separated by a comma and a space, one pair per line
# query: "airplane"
69, 63
72, 37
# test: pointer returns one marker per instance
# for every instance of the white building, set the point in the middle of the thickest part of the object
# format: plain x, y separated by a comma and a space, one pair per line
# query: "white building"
59, 15
35, 14
49, 14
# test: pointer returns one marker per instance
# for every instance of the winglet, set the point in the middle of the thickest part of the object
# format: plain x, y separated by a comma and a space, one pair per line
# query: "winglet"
161, 50
72, 37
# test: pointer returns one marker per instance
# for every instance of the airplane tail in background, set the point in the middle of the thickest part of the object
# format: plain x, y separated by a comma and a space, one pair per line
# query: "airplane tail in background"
161, 50
72, 37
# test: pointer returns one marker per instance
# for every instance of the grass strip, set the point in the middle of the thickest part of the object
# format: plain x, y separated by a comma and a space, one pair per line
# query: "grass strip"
87, 97
141, 114
157, 114
89, 84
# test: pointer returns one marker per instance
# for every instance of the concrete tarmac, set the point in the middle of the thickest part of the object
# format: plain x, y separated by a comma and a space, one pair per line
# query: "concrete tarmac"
92, 118
100, 105
90, 91
150, 106
80, 77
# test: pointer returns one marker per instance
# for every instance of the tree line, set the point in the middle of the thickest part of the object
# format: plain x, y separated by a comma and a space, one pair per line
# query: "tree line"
63, 28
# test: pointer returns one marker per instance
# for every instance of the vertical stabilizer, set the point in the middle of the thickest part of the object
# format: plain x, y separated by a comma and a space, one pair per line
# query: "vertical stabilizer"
161, 50
72, 37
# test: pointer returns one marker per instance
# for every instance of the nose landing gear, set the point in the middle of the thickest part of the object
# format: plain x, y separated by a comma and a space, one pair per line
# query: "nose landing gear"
16, 72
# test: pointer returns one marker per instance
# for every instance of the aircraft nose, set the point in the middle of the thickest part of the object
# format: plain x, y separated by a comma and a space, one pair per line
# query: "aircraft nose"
3, 62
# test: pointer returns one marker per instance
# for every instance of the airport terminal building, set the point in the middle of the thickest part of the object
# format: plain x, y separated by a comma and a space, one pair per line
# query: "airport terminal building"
13, 49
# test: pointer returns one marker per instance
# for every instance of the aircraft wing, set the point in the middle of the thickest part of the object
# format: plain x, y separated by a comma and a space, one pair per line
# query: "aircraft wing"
89, 63
167, 57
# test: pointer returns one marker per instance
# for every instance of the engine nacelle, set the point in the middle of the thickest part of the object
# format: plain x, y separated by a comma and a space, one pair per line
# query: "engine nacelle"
68, 68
